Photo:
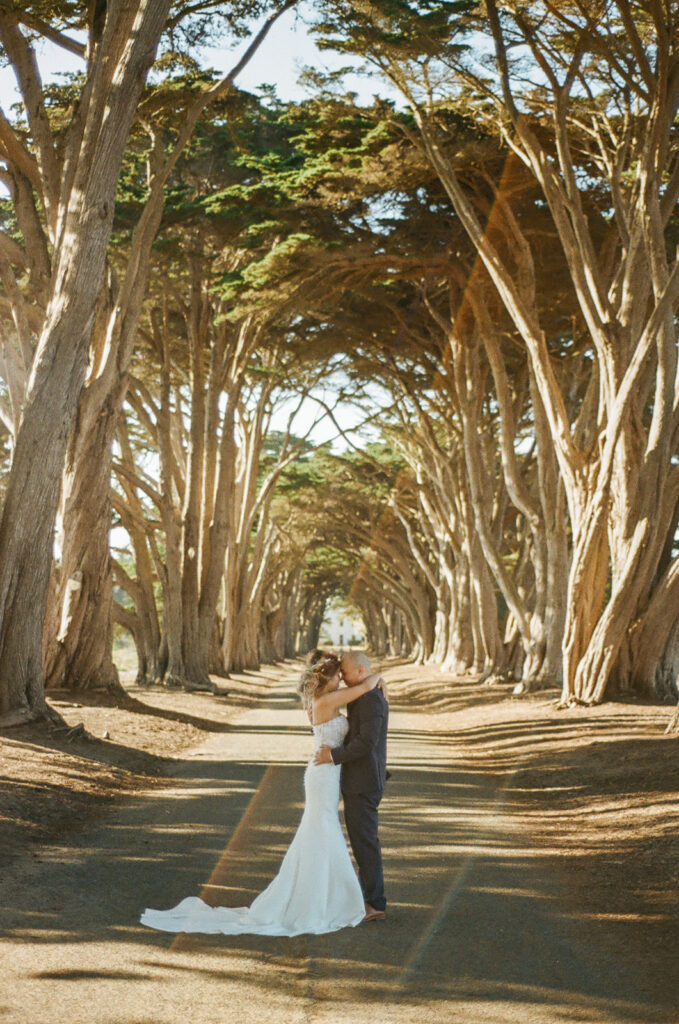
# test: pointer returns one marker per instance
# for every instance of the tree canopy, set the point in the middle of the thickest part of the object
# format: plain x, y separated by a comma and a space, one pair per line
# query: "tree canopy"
482, 273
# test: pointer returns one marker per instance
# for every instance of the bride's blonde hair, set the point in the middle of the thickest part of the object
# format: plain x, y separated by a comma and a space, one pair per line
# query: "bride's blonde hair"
321, 668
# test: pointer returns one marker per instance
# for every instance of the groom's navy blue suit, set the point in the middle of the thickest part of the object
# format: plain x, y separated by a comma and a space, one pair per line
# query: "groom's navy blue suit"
364, 772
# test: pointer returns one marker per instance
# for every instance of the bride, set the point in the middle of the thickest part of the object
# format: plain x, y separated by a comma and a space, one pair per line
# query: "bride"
316, 889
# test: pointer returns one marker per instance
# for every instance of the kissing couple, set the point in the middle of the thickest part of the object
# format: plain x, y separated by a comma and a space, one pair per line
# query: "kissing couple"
316, 889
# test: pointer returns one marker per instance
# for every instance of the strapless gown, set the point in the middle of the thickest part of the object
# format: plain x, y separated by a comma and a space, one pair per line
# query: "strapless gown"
316, 889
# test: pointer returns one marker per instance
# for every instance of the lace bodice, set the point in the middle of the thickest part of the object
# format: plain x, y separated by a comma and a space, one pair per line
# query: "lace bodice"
331, 733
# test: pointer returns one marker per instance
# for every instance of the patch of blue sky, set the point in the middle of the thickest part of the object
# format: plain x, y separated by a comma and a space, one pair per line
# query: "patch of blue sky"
279, 61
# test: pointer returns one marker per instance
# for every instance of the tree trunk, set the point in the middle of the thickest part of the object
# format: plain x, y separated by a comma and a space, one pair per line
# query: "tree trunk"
29, 513
79, 624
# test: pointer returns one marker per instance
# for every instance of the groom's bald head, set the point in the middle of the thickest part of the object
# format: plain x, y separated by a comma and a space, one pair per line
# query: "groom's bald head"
355, 667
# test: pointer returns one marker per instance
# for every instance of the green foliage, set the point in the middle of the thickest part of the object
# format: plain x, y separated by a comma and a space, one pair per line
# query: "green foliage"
414, 30
327, 496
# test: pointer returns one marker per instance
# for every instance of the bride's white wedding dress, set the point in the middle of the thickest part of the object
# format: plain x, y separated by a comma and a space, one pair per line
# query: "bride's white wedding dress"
316, 889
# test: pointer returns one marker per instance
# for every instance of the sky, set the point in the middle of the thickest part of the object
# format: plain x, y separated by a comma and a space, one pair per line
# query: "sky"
281, 57
279, 60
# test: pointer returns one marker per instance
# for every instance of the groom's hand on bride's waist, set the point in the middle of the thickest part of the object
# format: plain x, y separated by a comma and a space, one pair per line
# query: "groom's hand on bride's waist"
323, 756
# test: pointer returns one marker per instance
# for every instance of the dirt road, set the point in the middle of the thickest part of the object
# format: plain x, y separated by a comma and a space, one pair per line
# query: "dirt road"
481, 925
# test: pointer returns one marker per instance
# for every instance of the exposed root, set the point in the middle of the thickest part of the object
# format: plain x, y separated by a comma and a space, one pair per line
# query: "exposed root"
207, 686
43, 713
177, 682
18, 716
572, 702
72, 731
494, 678
673, 724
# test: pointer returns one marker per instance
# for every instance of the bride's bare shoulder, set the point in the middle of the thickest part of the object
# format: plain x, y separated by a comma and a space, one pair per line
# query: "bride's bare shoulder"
323, 721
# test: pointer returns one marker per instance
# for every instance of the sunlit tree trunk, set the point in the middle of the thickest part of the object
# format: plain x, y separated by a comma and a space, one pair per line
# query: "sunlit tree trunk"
67, 628
81, 213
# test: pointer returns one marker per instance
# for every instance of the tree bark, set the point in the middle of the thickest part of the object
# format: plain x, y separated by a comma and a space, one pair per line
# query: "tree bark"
79, 623
85, 213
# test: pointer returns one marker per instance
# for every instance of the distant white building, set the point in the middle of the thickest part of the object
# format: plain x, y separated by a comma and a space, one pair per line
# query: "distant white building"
341, 629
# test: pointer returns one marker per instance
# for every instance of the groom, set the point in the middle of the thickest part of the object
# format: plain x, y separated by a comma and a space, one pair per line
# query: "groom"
364, 772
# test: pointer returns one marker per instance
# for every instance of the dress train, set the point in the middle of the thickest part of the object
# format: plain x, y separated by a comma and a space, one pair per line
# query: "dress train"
316, 889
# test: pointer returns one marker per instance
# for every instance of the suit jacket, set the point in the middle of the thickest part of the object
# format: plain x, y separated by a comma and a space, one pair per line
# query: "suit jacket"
364, 754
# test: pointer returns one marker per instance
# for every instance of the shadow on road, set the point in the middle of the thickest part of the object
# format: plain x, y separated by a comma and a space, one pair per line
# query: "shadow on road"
477, 911
491, 906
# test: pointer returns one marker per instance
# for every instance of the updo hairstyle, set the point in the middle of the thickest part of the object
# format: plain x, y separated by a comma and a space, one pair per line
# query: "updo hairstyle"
322, 666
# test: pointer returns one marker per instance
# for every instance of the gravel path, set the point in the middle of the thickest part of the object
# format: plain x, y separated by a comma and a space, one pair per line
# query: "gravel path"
480, 928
